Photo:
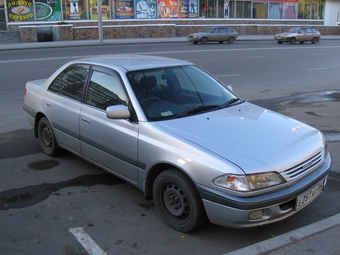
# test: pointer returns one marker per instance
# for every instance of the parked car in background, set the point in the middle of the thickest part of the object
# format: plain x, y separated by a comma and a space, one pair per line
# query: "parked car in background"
182, 137
299, 34
214, 34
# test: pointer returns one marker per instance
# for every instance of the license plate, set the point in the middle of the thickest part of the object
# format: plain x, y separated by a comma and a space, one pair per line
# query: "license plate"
307, 197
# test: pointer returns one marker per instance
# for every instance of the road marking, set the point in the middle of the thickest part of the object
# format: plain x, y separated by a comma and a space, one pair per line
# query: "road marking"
226, 75
172, 52
256, 57
317, 54
315, 69
86, 241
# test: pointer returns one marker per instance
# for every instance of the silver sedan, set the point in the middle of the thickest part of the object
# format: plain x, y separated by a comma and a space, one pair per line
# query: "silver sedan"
182, 137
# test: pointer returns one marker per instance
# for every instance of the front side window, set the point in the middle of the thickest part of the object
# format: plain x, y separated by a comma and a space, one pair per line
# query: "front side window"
105, 90
70, 83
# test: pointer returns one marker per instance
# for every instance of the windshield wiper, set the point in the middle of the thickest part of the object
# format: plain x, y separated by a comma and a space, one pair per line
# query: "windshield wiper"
231, 101
198, 109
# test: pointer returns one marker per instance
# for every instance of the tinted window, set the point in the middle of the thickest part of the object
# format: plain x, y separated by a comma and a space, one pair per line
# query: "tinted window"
70, 83
105, 90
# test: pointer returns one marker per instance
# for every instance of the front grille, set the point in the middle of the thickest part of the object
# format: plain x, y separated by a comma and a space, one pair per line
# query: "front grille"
304, 168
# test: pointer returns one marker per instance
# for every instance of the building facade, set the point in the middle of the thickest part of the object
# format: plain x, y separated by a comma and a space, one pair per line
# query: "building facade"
31, 11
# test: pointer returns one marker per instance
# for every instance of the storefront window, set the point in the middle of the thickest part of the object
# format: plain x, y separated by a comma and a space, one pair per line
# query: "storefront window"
193, 9
243, 9
124, 9
48, 10
74, 9
290, 10
260, 10
57, 10
146, 10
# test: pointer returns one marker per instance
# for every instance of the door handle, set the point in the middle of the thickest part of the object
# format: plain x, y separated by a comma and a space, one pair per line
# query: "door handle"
85, 120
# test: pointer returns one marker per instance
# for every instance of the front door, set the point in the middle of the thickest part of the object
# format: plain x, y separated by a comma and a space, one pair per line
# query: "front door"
111, 143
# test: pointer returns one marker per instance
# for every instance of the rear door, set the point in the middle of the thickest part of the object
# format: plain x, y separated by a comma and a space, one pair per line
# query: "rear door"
111, 143
63, 103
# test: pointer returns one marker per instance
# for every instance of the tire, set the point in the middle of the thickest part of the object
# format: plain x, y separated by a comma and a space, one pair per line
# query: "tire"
46, 137
314, 40
177, 201
231, 40
292, 40
194, 42
220, 41
302, 42
279, 42
204, 40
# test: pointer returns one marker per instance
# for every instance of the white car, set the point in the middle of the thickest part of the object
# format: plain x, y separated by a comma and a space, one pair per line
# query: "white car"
182, 137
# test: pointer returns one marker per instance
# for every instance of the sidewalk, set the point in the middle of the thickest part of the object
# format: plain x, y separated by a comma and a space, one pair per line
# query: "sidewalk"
321, 237
57, 44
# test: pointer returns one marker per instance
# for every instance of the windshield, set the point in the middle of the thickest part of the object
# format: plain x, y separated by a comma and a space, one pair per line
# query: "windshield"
294, 30
177, 92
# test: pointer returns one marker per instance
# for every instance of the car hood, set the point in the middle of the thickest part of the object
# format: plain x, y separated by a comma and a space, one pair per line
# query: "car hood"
254, 138
199, 34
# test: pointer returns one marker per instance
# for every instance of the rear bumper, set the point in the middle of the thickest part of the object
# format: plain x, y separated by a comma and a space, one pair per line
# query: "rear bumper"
232, 211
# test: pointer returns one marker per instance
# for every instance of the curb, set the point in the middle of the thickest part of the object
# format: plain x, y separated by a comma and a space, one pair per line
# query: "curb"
289, 237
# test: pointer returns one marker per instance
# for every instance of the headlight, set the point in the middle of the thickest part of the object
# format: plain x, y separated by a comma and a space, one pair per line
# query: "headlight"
196, 37
248, 182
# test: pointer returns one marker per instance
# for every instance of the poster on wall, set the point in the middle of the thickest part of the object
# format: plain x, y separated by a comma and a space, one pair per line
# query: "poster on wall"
184, 8
124, 9
193, 10
49, 11
146, 9
94, 10
20, 11
226, 9
167, 8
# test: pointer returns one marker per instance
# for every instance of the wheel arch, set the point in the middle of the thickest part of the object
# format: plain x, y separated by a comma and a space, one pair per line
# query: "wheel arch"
38, 116
152, 174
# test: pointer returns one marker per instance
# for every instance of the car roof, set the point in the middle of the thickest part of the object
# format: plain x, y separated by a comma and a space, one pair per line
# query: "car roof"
132, 62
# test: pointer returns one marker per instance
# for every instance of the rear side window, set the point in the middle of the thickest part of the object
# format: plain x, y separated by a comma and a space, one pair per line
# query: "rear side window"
70, 83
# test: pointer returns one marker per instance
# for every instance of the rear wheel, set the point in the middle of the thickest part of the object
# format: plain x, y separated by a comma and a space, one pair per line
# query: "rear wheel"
314, 40
292, 40
47, 139
178, 202
220, 41
231, 40
302, 42
279, 42
204, 40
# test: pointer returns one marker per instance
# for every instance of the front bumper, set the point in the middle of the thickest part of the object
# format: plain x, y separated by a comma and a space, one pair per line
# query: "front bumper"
282, 39
228, 210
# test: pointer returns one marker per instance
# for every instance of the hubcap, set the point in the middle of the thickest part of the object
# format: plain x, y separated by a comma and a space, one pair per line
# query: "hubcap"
47, 136
176, 201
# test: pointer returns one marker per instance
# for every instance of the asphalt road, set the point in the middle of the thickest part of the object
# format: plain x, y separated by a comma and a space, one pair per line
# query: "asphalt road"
44, 201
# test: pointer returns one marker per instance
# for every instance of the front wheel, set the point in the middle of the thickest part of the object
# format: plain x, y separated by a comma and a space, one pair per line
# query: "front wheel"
314, 40
204, 40
231, 40
292, 40
177, 201
47, 140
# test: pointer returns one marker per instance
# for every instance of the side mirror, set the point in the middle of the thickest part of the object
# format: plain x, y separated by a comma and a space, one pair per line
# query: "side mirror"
230, 87
117, 112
